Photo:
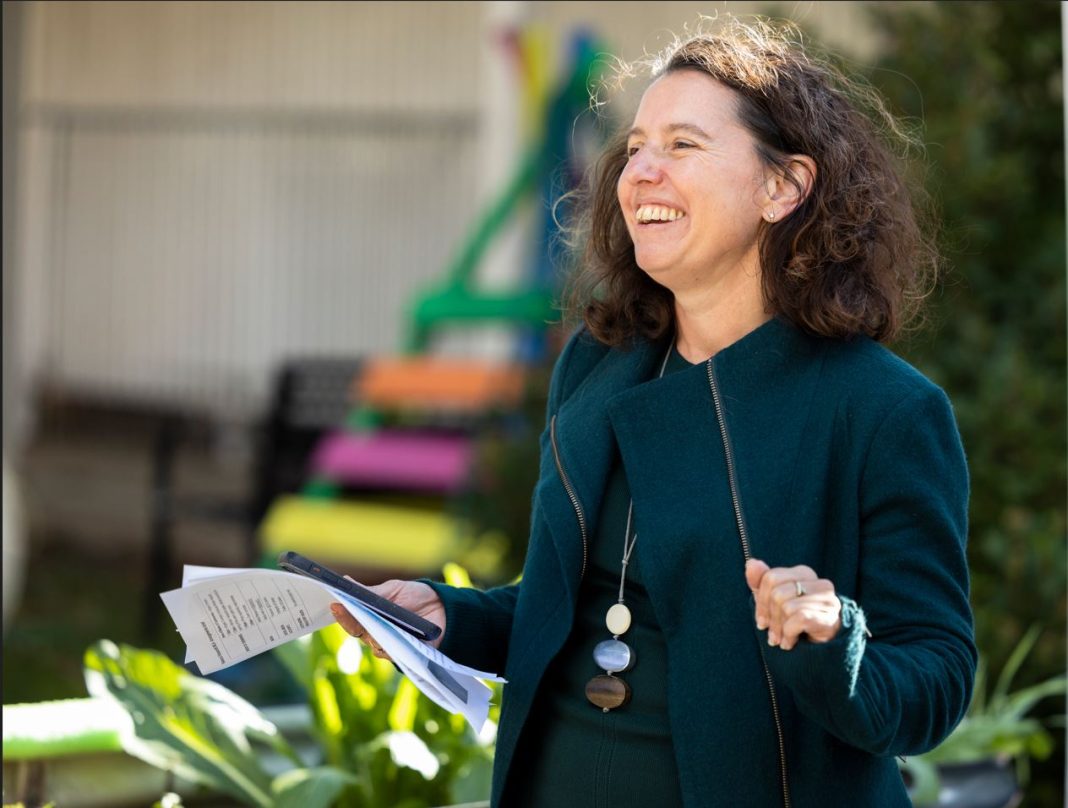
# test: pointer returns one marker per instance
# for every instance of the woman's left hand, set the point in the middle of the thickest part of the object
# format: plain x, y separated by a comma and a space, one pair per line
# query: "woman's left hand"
791, 601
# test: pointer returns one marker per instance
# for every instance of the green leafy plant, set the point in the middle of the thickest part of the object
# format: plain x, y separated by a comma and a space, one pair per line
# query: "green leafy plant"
380, 742
198, 729
997, 727
403, 748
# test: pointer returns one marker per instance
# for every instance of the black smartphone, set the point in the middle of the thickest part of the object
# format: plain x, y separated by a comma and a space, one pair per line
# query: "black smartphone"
402, 618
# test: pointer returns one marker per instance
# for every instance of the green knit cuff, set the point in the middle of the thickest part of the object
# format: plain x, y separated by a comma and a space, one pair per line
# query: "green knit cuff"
452, 619
475, 635
832, 666
855, 629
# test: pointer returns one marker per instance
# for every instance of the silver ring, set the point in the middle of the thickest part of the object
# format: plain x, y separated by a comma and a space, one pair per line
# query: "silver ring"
800, 588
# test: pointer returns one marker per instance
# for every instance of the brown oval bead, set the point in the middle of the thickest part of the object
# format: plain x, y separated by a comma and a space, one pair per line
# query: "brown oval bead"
607, 692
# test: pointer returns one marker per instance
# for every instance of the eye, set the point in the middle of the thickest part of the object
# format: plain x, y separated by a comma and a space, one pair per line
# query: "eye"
633, 149
682, 144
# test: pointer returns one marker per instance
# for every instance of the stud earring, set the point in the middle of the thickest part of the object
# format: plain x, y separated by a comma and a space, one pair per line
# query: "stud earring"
771, 215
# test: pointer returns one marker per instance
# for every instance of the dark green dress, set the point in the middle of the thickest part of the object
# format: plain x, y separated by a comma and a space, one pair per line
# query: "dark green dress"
571, 753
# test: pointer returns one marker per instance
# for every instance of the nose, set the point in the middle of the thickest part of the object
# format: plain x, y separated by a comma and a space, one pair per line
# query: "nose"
644, 166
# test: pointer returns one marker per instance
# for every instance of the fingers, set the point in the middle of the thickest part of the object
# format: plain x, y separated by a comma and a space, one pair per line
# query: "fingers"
347, 621
353, 627
776, 586
754, 572
415, 596
386, 589
376, 649
814, 618
390, 590
784, 601
793, 601
393, 590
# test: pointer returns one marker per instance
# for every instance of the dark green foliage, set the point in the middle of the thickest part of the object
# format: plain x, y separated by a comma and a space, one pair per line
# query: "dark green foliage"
985, 81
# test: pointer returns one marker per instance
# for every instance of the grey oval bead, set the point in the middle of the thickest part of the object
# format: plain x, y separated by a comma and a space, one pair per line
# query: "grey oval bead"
613, 656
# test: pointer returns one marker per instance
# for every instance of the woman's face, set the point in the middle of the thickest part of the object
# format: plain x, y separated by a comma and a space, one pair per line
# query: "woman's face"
693, 187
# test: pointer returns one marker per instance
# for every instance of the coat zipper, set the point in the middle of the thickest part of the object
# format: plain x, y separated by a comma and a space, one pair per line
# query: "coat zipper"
571, 495
743, 534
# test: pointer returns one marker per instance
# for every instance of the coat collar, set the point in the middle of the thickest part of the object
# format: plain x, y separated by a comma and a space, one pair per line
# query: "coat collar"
622, 406
670, 440
626, 379
583, 428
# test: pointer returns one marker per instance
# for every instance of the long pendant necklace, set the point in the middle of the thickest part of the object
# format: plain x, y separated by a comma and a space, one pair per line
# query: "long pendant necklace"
613, 656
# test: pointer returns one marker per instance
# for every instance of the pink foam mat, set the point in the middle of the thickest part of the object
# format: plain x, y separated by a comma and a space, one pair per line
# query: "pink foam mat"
411, 461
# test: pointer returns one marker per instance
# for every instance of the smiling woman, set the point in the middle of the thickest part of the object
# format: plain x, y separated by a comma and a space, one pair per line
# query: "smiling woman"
694, 192
796, 611
852, 243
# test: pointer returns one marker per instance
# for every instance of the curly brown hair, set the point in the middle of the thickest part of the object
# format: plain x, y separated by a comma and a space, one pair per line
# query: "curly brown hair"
857, 256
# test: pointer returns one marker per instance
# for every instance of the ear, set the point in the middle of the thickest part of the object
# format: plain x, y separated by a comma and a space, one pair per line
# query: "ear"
787, 188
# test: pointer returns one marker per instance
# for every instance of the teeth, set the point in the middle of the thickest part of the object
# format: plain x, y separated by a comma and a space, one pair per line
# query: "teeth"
658, 213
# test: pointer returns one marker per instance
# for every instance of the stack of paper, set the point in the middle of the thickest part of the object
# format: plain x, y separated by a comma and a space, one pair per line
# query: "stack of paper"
226, 616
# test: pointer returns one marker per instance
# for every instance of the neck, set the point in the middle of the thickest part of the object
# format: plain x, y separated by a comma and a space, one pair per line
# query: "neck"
710, 318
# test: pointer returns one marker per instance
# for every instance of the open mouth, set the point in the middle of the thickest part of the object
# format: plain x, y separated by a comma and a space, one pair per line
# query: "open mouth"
657, 214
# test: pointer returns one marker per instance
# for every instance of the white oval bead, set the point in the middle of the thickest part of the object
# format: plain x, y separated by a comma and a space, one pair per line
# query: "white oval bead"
618, 619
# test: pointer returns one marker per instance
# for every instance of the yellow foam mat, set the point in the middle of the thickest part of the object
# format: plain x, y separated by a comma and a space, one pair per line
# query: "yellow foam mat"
371, 534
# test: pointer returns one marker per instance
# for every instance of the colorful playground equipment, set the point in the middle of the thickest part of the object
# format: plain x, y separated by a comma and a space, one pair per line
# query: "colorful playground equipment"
375, 488
379, 485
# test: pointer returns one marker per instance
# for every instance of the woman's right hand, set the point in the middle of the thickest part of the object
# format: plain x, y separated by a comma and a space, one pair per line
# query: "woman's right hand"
414, 596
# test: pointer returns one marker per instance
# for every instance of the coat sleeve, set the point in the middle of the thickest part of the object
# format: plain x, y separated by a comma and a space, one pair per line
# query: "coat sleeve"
478, 624
898, 677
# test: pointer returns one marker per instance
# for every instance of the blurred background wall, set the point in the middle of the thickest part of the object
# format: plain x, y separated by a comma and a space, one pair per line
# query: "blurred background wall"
204, 188
209, 186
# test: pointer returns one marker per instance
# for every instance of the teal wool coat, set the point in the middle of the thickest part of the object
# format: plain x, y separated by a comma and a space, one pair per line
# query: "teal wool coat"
847, 460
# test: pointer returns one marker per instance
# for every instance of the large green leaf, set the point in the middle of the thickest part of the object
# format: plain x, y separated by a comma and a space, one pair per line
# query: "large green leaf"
405, 705
983, 737
311, 788
186, 724
1012, 666
1020, 703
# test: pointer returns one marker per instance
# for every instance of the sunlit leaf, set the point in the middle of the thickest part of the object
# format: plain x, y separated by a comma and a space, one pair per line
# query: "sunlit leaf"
455, 575
326, 704
1012, 665
311, 788
182, 723
405, 703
